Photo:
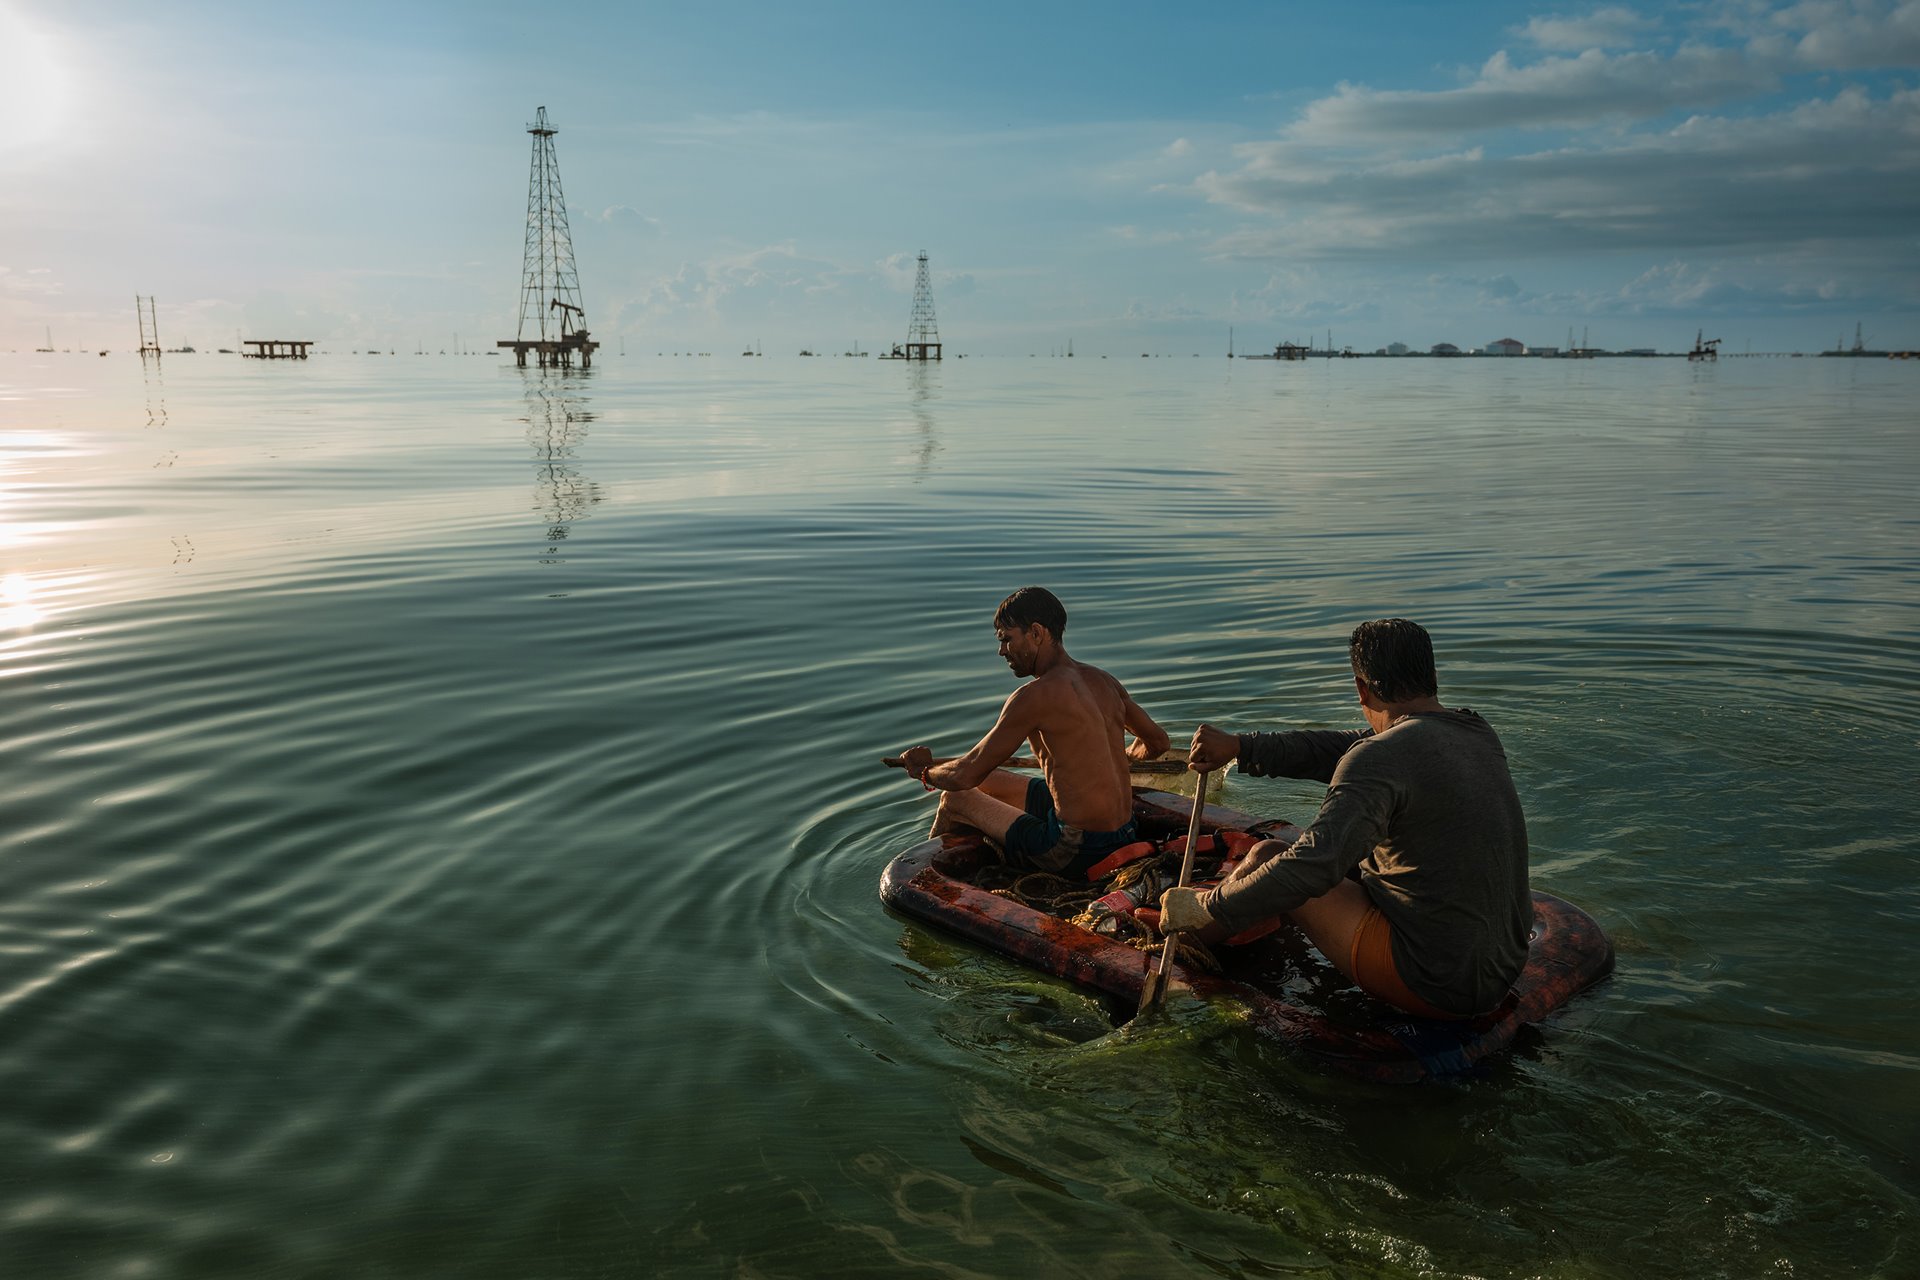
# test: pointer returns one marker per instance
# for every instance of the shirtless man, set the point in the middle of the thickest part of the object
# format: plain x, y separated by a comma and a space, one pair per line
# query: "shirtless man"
1077, 718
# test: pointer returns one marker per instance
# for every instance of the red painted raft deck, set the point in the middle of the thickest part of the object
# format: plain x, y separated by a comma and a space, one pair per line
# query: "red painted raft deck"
1567, 953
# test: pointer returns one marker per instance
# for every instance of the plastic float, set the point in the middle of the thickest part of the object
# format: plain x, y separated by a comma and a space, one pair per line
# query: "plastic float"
936, 882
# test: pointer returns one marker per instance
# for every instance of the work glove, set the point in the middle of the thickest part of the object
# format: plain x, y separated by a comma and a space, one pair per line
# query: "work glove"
1181, 912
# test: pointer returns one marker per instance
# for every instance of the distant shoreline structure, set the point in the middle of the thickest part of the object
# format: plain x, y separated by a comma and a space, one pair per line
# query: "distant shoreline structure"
1304, 354
1582, 354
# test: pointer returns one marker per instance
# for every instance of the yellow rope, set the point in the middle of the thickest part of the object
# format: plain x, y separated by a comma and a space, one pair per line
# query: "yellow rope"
1069, 900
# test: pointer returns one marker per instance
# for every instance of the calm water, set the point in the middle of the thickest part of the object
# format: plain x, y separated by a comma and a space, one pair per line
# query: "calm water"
441, 827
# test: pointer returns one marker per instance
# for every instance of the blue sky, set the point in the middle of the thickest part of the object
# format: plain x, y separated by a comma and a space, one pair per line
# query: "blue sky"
1132, 177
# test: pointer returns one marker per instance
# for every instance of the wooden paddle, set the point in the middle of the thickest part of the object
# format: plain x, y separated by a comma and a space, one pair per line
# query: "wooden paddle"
1154, 993
1028, 762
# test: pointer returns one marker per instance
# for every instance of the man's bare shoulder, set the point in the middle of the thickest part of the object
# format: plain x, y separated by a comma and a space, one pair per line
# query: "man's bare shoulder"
1099, 678
1060, 690
1041, 691
1075, 689
1032, 699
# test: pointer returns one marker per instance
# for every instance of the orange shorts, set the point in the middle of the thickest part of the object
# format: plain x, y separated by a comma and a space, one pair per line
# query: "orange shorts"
1372, 963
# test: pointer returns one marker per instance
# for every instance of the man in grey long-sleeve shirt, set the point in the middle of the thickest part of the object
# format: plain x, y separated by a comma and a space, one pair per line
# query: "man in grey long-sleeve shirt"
1421, 804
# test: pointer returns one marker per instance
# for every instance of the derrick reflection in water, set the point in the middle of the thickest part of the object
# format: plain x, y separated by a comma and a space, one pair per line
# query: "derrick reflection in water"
923, 387
557, 418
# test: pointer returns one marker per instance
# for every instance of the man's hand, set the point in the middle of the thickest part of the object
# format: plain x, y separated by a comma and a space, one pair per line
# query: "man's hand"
916, 761
1181, 912
1212, 749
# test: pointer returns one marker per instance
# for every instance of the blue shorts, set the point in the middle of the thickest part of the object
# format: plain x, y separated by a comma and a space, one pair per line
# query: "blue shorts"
1039, 840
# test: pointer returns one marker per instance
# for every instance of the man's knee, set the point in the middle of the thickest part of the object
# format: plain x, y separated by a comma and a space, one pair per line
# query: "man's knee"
1331, 920
1261, 853
975, 808
1007, 788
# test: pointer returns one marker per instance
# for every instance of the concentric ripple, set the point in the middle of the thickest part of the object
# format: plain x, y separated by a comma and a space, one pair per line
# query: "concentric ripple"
443, 812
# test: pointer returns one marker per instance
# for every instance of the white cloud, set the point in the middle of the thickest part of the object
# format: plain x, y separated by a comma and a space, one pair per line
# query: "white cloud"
1410, 175
1604, 82
1593, 88
1141, 311
1685, 290
623, 215
1178, 148
1839, 170
1840, 35
1690, 291
899, 270
1488, 290
1608, 28
1302, 295
756, 286
36, 281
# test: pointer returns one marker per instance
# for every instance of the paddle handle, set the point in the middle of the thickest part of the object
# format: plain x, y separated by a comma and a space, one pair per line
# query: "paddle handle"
1154, 993
1028, 762
1193, 829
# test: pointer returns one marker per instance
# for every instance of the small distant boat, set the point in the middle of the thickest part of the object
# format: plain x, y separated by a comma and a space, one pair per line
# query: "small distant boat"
1355, 1034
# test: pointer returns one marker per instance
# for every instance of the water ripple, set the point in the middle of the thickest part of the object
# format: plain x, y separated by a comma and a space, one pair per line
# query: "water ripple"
443, 817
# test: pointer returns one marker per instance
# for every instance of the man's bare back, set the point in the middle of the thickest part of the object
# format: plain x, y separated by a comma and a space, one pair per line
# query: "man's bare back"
1079, 734
1076, 717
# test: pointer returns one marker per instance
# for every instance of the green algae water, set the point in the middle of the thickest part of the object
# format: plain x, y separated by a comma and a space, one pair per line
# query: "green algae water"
442, 825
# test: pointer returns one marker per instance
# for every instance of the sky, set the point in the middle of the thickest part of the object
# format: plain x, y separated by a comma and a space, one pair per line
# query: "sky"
1129, 177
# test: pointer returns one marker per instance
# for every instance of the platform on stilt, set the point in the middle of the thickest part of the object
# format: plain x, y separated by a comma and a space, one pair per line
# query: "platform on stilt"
276, 348
555, 353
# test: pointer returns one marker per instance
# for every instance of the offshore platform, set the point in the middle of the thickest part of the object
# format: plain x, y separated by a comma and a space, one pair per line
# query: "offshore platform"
553, 323
923, 332
1859, 347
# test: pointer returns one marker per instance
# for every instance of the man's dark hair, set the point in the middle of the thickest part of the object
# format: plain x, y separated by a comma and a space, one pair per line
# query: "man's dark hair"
1029, 605
1395, 658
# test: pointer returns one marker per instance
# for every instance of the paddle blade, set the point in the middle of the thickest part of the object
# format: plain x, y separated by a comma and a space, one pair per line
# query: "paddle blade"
1153, 993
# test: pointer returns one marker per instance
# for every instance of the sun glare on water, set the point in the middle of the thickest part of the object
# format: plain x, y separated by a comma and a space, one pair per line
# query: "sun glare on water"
17, 609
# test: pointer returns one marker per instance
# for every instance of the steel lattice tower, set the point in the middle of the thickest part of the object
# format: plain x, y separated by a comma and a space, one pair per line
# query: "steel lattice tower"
923, 332
149, 326
552, 319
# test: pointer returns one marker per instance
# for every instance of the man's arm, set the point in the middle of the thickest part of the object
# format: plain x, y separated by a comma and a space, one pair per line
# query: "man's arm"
1150, 741
1019, 717
1301, 753
1352, 819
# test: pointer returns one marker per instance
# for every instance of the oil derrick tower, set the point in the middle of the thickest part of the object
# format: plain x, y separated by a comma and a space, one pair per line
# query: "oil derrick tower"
149, 327
923, 333
553, 324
